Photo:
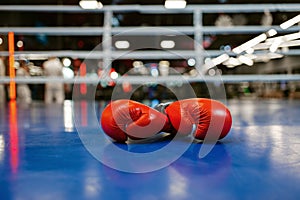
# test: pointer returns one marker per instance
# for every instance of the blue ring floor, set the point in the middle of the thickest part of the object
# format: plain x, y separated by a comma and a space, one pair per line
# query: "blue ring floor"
43, 157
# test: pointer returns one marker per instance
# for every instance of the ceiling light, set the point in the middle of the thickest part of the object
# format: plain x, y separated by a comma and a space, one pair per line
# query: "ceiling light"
292, 36
282, 45
66, 62
285, 38
210, 63
191, 62
271, 32
274, 46
218, 60
267, 57
175, 4
249, 44
290, 43
90, 4
250, 51
114, 75
167, 44
281, 41
245, 60
211, 72
67, 73
20, 43
122, 44
290, 22
232, 62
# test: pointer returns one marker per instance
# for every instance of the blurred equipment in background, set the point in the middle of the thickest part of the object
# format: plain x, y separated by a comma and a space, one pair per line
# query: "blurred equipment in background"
23, 90
2, 74
54, 91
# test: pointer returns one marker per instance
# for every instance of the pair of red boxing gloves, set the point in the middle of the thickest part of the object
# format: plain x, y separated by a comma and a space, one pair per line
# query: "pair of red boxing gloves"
200, 117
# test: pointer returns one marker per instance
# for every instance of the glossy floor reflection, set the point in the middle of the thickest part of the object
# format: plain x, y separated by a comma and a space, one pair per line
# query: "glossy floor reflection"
43, 157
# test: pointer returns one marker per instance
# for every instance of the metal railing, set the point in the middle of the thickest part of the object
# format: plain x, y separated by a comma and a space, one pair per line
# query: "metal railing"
198, 30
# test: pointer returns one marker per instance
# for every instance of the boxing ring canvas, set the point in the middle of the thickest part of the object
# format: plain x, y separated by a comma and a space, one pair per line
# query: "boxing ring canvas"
43, 157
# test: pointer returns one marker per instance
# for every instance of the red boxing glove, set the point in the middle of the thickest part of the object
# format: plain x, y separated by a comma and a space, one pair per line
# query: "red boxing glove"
200, 116
126, 118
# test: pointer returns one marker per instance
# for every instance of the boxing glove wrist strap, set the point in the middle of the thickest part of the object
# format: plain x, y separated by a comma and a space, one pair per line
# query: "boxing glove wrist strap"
161, 107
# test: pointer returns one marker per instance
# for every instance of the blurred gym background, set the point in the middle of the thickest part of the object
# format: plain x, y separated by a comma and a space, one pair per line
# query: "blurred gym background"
100, 44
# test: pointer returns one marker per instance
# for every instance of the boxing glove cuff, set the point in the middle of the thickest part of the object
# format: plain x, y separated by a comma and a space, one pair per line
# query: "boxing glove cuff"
161, 107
